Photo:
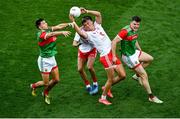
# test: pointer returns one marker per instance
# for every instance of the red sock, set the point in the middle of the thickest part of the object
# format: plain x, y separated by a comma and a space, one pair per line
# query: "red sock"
46, 92
86, 82
34, 85
94, 80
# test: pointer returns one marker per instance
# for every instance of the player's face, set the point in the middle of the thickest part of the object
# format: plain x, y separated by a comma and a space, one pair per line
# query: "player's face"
88, 25
134, 25
43, 25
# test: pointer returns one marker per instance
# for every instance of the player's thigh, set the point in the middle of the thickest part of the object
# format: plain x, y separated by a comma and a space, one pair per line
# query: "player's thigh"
55, 74
145, 57
120, 70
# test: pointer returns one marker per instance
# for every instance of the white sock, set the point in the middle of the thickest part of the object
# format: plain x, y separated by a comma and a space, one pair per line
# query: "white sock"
95, 83
103, 97
88, 86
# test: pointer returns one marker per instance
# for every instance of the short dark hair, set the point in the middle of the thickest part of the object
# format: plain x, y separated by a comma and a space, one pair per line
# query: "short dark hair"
85, 18
38, 22
136, 18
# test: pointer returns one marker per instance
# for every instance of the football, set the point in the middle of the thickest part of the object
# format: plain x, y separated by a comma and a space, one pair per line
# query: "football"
75, 11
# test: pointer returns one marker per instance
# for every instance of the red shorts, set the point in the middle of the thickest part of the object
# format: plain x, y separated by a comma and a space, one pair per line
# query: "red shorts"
107, 62
86, 55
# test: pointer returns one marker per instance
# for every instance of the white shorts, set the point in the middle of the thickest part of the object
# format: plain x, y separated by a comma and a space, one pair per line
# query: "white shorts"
46, 65
132, 61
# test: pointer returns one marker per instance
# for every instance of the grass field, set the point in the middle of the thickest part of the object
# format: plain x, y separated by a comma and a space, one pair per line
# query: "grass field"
158, 35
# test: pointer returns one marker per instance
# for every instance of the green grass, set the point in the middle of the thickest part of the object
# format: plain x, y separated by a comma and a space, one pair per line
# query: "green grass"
158, 35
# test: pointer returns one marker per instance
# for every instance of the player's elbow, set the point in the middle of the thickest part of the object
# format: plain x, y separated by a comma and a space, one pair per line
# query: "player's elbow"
151, 58
98, 14
75, 44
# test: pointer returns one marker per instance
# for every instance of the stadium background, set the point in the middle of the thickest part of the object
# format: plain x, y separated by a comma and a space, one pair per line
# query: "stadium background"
159, 35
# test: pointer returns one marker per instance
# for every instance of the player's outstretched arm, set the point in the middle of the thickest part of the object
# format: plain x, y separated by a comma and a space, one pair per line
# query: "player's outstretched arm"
60, 26
57, 33
113, 44
97, 14
76, 27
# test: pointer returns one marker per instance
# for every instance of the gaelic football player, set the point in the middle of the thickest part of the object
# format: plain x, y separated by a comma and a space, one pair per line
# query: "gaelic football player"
86, 54
133, 56
46, 37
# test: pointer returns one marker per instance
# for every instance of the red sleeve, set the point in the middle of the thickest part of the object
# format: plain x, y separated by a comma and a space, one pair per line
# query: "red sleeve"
123, 33
43, 35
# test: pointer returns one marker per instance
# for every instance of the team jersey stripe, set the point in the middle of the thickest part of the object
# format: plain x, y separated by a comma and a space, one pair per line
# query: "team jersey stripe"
132, 37
48, 41
43, 34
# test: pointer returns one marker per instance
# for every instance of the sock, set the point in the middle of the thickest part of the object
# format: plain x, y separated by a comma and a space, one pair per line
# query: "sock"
88, 86
95, 83
46, 92
94, 80
151, 95
34, 85
86, 82
103, 97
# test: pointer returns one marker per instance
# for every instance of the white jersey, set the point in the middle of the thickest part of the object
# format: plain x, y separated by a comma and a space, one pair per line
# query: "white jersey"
99, 39
85, 46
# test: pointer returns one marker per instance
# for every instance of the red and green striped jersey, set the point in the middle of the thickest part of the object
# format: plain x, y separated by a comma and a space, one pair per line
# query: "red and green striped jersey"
47, 47
128, 41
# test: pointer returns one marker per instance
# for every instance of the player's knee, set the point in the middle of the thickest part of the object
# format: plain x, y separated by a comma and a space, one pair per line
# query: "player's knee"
80, 69
123, 76
90, 67
56, 81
